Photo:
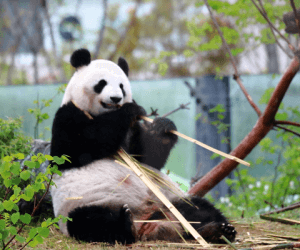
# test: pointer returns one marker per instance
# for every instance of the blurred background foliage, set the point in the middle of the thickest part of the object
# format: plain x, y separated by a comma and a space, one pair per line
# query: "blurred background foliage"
170, 38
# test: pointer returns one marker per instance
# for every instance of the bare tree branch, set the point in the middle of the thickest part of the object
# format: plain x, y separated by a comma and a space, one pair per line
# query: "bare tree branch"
153, 112
182, 106
272, 26
57, 60
287, 123
236, 75
192, 90
102, 29
122, 38
288, 130
264, 124
290, 207
276, 40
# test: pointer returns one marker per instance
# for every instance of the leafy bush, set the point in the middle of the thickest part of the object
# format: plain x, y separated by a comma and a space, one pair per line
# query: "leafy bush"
253, 196
12, 139
11, 220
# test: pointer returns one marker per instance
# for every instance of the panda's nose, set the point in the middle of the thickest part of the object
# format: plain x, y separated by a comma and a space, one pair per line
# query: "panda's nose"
116, 99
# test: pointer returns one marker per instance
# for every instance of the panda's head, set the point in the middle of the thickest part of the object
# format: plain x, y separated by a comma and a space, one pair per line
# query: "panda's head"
98, 86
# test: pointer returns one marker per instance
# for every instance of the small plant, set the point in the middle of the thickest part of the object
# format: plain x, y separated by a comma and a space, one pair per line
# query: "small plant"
12, 139
254, 196
39, 115
12, 221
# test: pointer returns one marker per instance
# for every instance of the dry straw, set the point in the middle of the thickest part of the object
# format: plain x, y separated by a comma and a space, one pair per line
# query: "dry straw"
143, 176
203, 145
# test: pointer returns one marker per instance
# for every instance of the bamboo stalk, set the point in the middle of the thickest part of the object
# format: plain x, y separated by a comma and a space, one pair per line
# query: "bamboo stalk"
156, 221
160, 195
282, 220
231, 157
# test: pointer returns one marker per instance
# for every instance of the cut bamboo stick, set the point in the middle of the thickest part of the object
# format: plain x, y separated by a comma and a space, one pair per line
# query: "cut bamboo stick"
173, 221
231, 157
161, 196
282, 220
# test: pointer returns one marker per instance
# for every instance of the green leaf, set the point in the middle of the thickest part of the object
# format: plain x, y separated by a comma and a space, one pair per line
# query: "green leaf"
29, 164
214, 156
32, 234
26, 218
16, 181
45, 116
58, 160
7, 158
266, 96
49, 157
39, 239
16, 208
218, 108
66, 157
15, 217
15, 168
221, 117
198, 116
29, 191
17, 190
162, 68
20, 238
2, 224
43, 231
8, 205
25, 175
1, 206
65, 219
5, 174
188, 53
20, 156
12, 230
281, 116
33, 243
7, 182
5, 233
237, 51
38, 186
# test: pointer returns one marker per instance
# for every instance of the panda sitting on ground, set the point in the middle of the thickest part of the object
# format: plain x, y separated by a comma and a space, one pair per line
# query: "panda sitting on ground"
96, 118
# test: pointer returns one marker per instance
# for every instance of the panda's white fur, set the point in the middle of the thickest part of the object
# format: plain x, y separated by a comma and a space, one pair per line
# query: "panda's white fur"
103, 182
102, 197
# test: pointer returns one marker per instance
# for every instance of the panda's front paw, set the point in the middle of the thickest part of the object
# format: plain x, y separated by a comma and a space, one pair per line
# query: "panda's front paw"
162, 126
133, 110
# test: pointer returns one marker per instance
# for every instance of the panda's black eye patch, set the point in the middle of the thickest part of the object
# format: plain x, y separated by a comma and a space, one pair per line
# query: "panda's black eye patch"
122, 88
100, 85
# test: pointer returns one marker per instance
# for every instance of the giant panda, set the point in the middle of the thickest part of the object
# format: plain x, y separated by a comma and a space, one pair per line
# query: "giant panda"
104, 199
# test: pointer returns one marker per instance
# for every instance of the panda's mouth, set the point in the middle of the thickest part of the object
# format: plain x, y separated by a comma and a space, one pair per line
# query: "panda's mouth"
110, 105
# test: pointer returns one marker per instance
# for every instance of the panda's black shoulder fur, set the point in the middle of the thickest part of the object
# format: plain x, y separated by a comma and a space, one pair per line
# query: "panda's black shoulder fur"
86, 140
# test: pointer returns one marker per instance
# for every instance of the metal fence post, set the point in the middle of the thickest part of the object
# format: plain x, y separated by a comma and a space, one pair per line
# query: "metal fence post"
211, 91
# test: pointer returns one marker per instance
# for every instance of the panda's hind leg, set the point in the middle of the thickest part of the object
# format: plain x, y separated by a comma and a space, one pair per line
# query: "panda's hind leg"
102, 224
213, 223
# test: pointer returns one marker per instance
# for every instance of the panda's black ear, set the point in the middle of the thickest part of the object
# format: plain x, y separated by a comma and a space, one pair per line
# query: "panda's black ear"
123, 65
80, 58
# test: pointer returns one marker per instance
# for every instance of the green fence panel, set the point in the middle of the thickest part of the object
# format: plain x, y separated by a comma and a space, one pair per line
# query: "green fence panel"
164, 95
244, 117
